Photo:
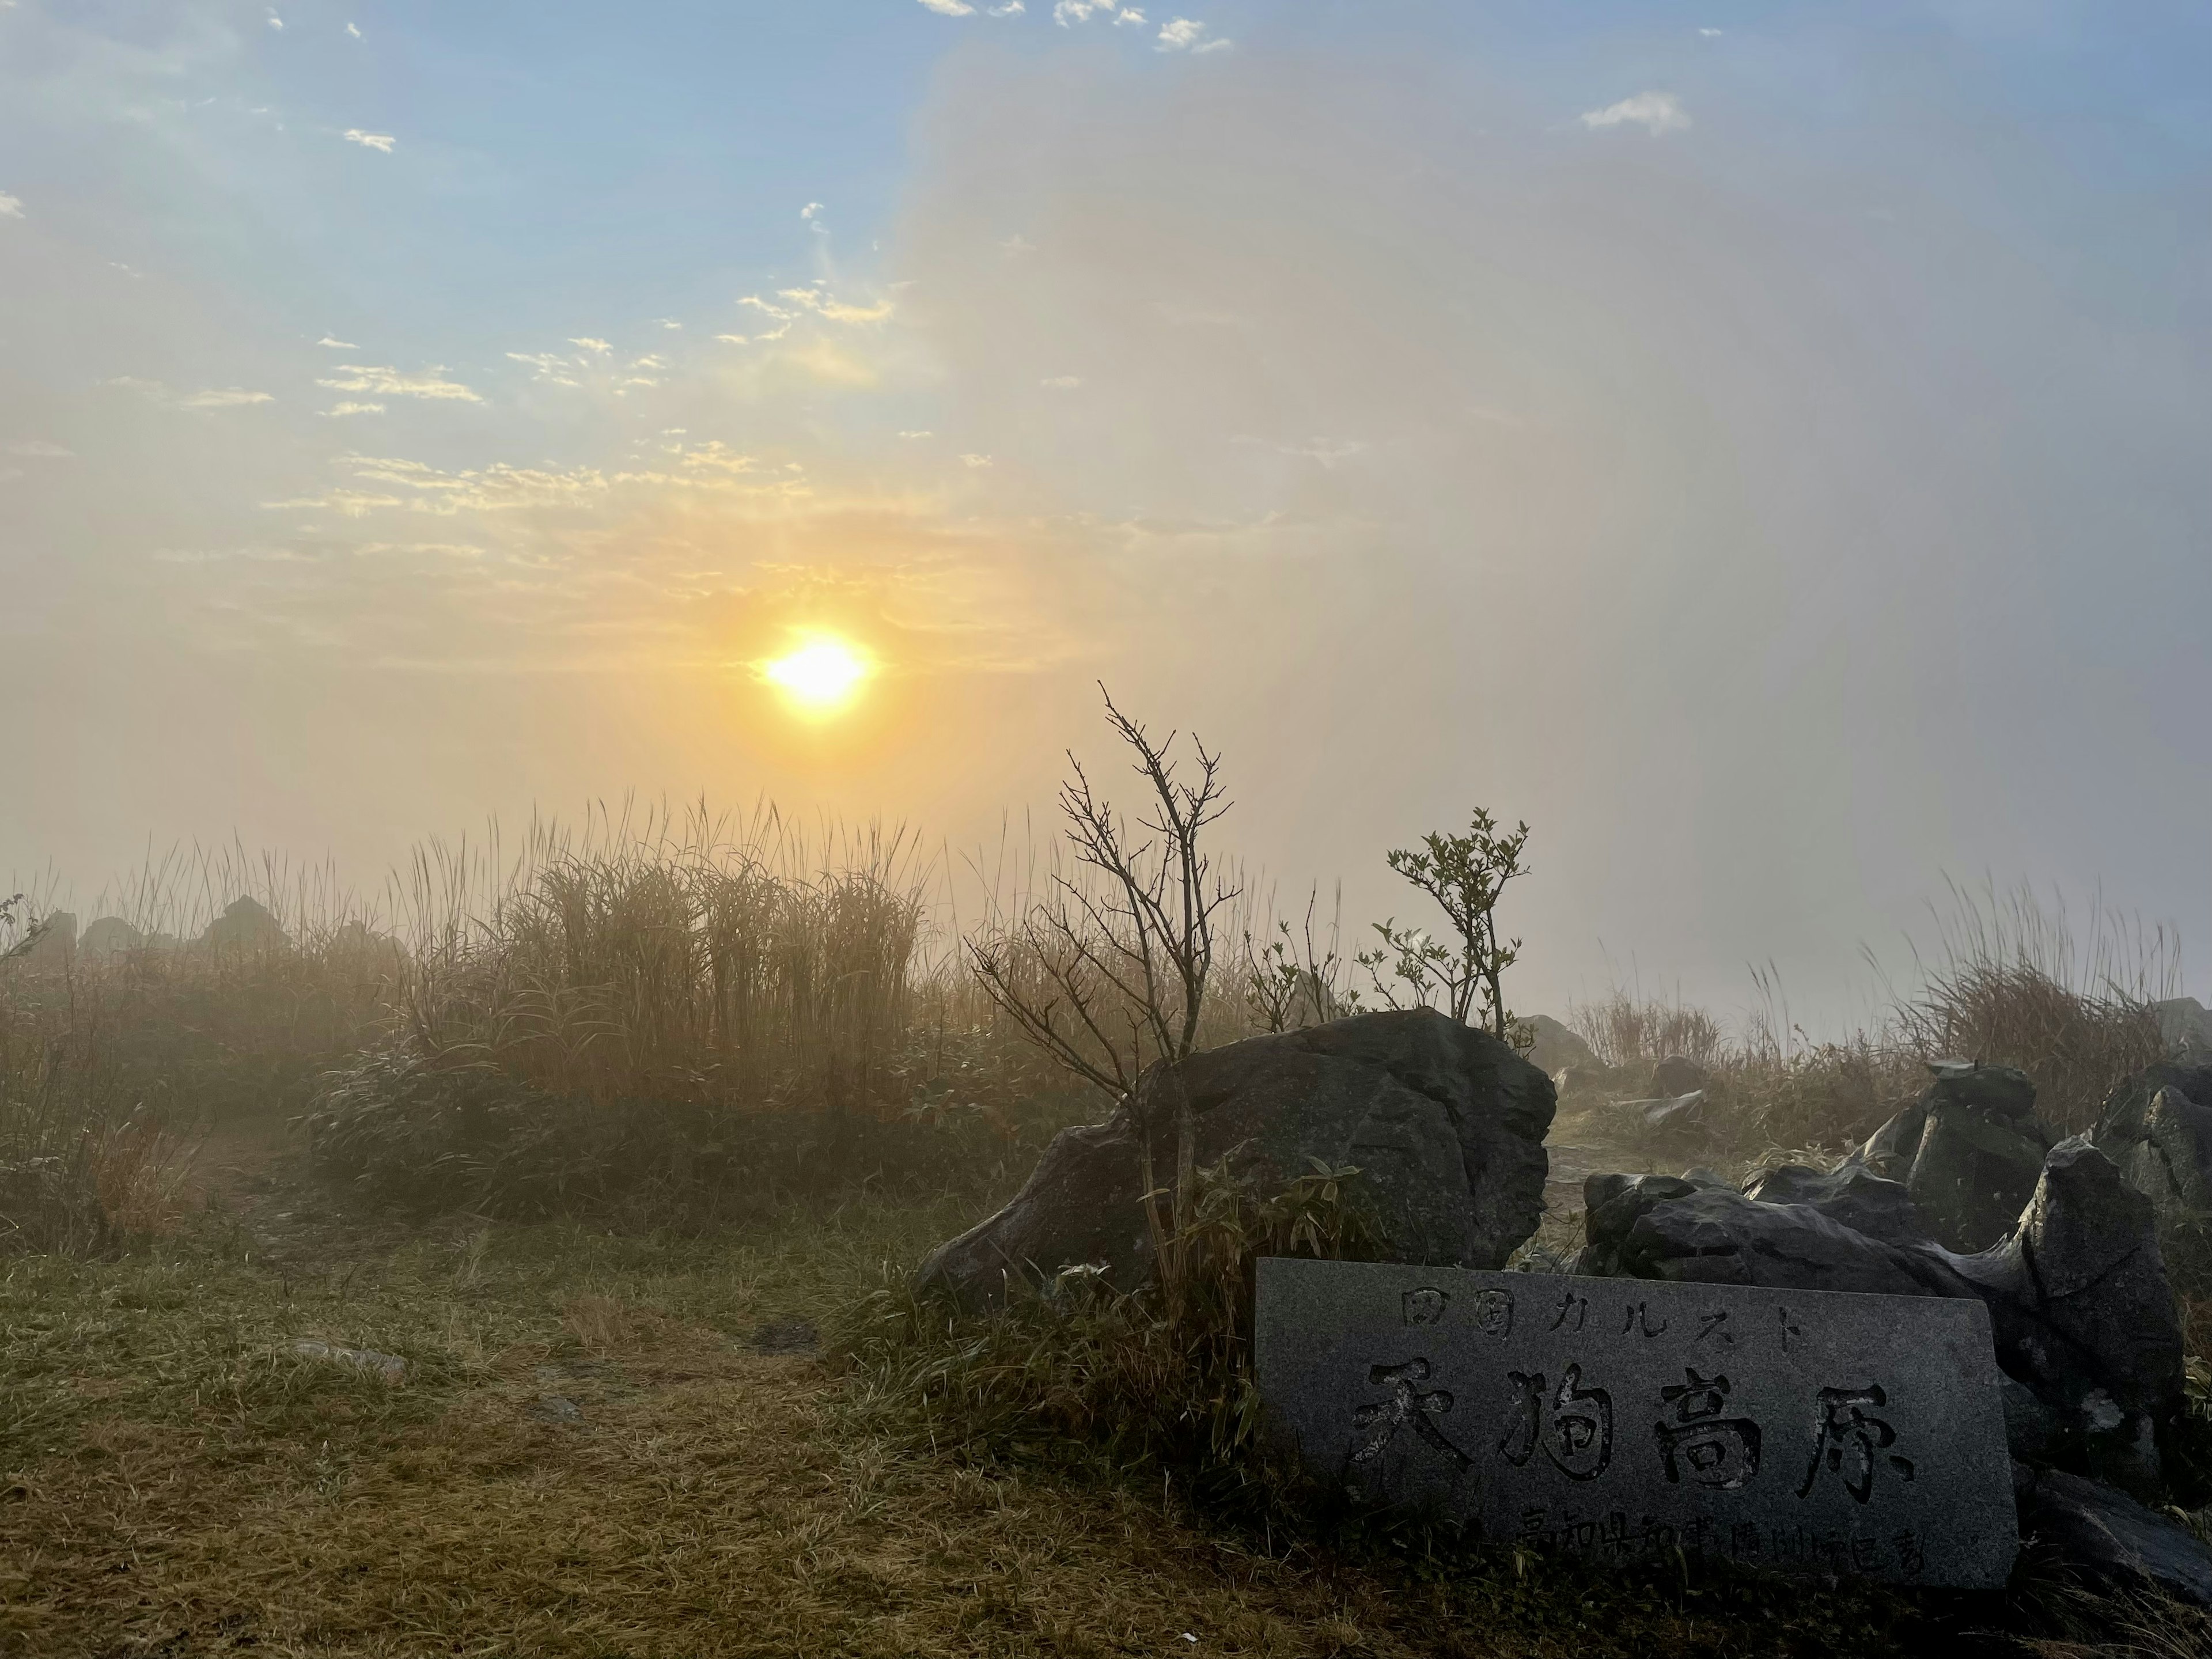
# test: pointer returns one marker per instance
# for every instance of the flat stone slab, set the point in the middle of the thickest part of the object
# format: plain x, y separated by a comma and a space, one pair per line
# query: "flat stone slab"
1801, 1432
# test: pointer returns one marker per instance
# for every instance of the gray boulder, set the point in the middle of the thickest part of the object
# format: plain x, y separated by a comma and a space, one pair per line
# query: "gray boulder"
2105, 1539
51, 944
110, 936
2163, 1151
1556, 1047
1447, 1123
1852, 1196
245, 924
1670, 1115
1678, 1075
1967, 1151
2078, 1299
2184, 1027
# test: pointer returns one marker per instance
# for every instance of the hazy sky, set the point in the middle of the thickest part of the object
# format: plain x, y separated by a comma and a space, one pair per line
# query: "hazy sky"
1769, 447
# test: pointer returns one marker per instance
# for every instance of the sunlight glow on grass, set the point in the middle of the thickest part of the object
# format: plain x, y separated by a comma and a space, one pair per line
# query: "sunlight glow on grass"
822, 676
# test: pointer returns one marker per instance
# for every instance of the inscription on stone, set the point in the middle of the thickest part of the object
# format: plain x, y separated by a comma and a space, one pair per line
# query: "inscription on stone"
1803, 1431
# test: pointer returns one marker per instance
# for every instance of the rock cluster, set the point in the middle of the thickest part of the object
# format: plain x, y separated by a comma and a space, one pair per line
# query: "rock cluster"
1446, 1122
1963, 1195
1968, 1151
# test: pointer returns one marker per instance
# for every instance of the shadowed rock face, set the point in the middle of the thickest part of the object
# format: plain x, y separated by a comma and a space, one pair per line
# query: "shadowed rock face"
2157, 1128
1446, 1122
2108, 1539
2078, 1297
1967, 1151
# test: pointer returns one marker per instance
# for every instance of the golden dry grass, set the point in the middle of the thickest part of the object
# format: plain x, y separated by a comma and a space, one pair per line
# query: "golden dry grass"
589, 1457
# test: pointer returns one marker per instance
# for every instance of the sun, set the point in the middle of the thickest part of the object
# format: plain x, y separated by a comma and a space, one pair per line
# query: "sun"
820, 677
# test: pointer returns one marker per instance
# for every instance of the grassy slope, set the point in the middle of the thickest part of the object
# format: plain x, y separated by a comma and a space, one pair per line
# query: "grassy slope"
178, 1480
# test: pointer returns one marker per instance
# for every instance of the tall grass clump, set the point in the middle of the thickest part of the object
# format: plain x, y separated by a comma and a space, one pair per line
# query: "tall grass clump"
2007, 980
1132, 1386
209, 986
2012, 983
671, 1015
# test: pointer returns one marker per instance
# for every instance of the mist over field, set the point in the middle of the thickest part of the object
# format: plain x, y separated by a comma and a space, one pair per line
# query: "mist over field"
1762, 449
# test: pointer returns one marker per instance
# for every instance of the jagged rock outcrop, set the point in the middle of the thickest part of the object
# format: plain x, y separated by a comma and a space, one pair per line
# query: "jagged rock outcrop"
1967, 1151
2162, 1144
1447, 1123
110, 936
2104, 1537
1556, 1047
1678, 1075
245, 924
1852, 1196
2079, 1304
2185, 1028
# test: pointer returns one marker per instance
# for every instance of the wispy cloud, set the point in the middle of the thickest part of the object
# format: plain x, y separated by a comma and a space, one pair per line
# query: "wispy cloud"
380, 142
1069, 12
1062, 382
590, 345
274, 21
354, 29
950, 8
977, 461
1655, 111
1011, 9
1711, 34
924, 434
385, 381
39, 448
837, 311
154, 391
11, 207
338, 345
339, 411
1187, 34
549, 366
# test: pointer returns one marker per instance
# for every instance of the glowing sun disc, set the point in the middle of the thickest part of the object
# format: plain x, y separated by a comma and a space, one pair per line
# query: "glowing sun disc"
820, 676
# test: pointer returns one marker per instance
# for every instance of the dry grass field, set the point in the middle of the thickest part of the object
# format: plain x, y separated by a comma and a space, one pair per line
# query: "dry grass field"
604, 1446
585, 1152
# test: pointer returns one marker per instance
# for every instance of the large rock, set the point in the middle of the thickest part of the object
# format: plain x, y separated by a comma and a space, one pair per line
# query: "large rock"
1556, 1047
1967, 1151
1446, 1122
110, 936
245, 924
1852, 1196
50, 946
1678, 1075
2163, 1148
2078, 1297
2104, 1537
2184, 1027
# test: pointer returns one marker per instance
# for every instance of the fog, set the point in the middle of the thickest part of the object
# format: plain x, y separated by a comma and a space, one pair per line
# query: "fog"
1781, 509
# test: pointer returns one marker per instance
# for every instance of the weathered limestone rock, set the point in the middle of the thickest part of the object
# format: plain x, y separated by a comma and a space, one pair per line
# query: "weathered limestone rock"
245, 925
1446, 1122
2108, 1540
110, 936
2163, 1151
1556, 1047
52, 947
1967, 1151
2077, 1297
2185, 1028
1670, 1115
1853, 1196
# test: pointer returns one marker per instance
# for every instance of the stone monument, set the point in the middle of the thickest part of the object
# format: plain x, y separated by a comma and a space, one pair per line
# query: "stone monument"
1801, 1430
